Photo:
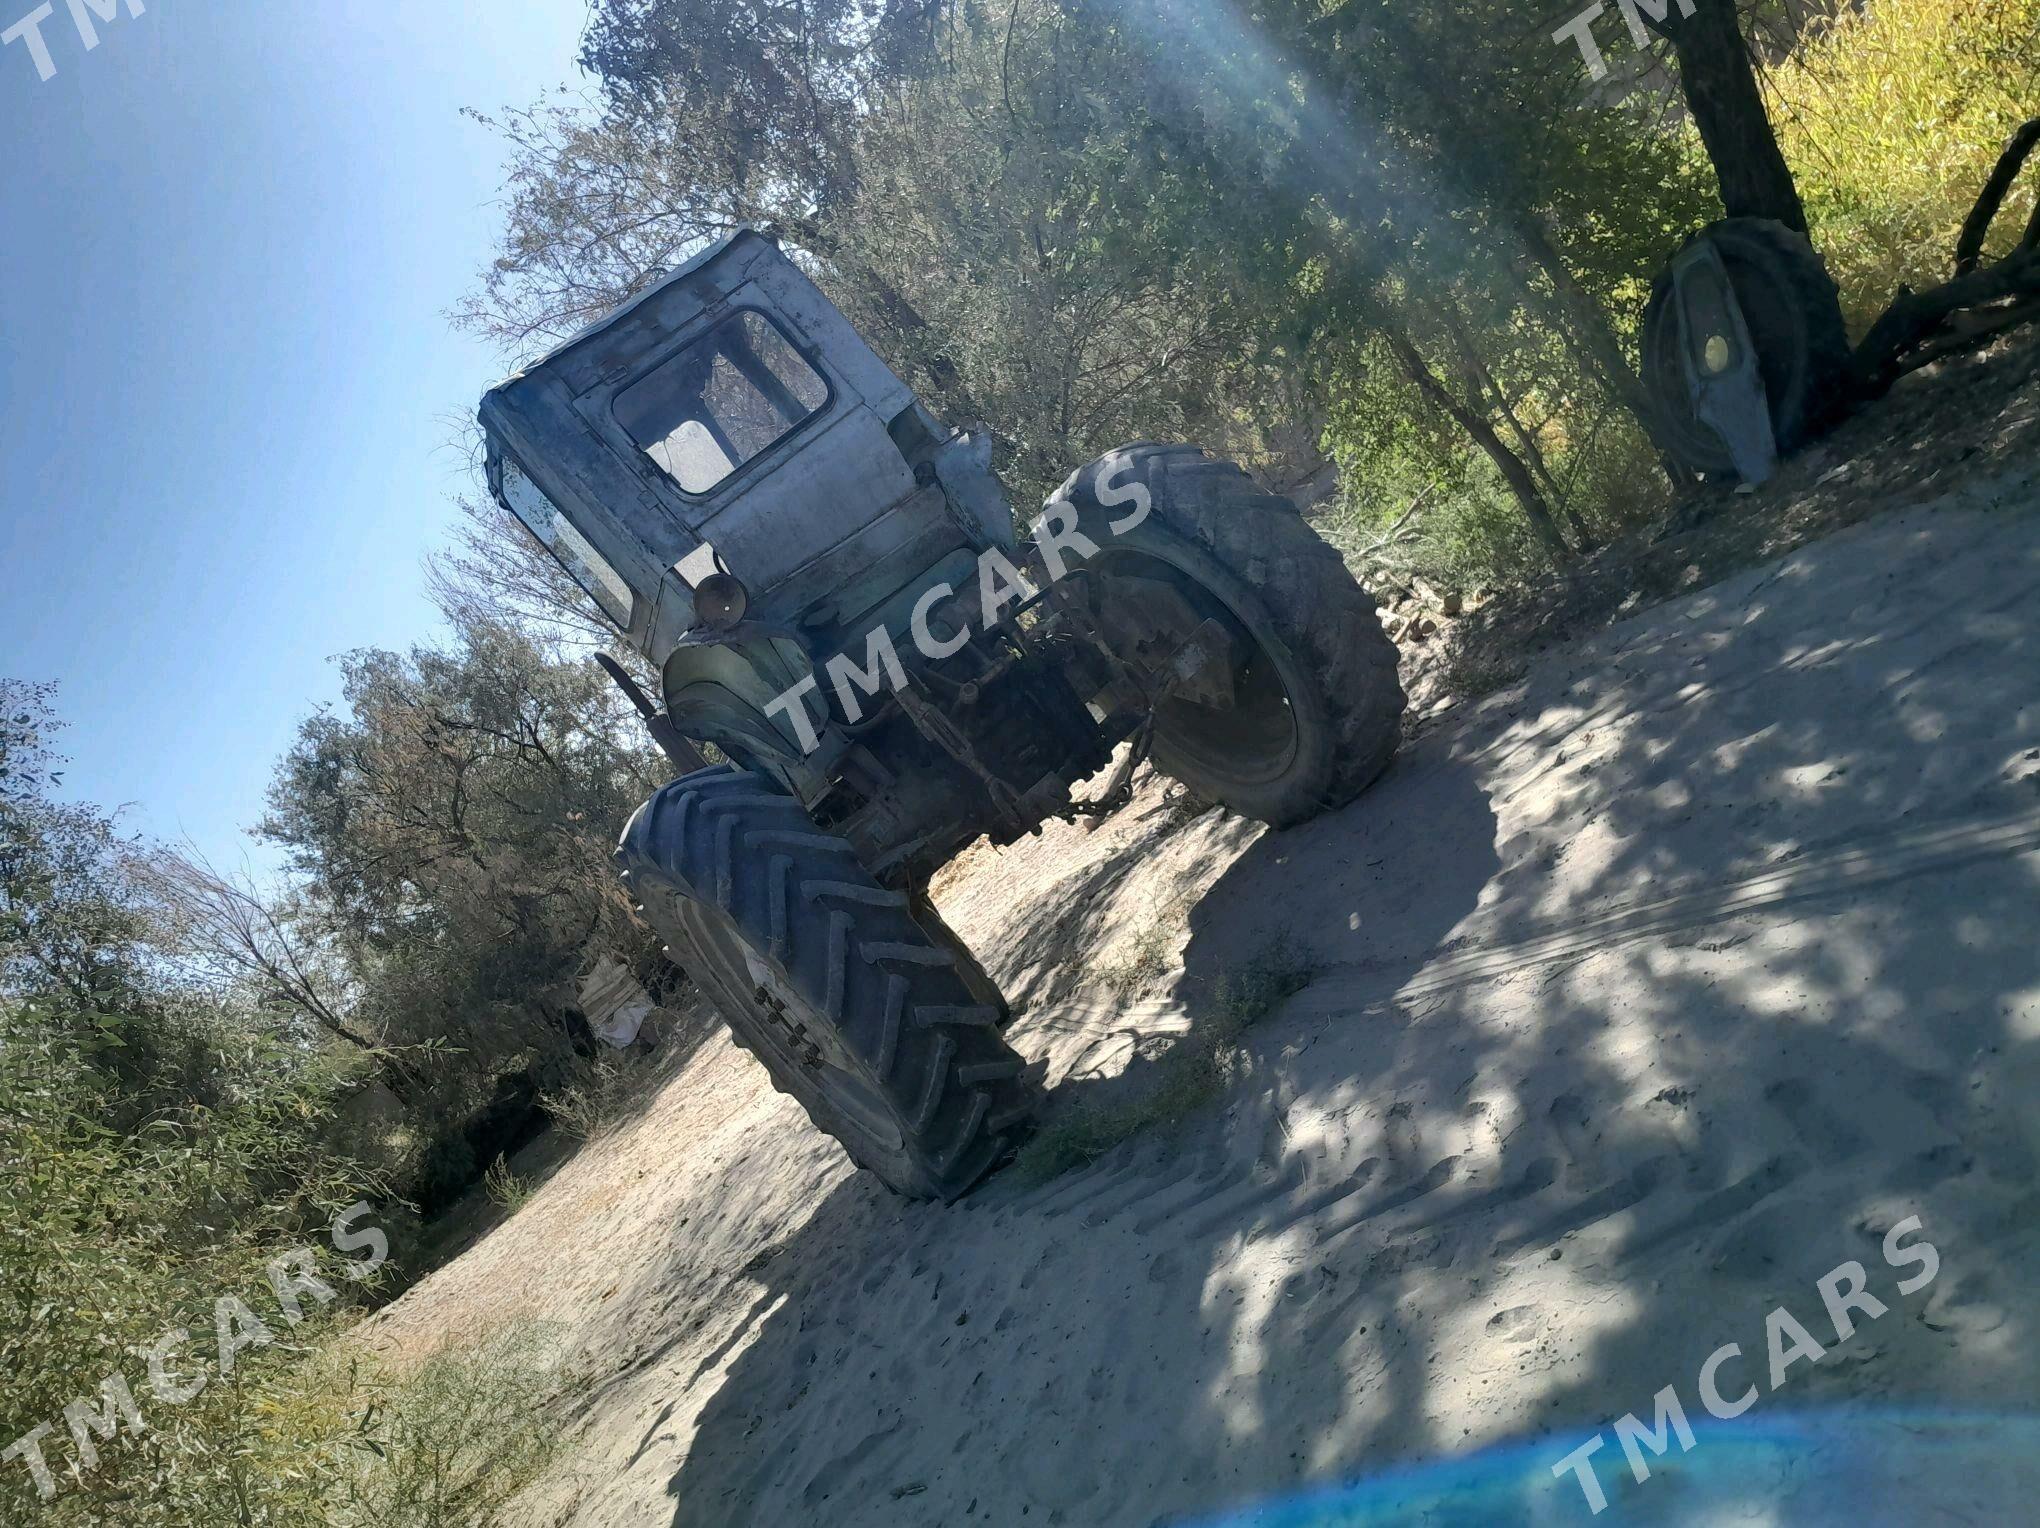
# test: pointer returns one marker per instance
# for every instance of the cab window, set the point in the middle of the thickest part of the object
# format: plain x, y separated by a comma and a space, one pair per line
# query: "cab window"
723, 400
591, 570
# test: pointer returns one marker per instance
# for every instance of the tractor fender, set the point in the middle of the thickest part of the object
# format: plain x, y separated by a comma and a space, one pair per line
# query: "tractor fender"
723, 690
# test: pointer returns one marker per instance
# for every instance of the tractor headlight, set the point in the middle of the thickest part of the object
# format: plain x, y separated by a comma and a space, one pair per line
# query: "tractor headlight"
720, 601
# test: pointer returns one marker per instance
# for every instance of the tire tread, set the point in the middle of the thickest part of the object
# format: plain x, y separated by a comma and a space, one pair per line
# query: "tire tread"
853, 948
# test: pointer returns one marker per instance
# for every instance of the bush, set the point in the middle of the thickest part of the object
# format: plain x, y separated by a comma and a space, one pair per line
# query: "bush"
112, 1235
110, 1238
448, 1443
594, 1099
160, 1144
505, 1189
1892, 116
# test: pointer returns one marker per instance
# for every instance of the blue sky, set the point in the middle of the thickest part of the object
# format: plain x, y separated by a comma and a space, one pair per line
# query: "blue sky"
229, 236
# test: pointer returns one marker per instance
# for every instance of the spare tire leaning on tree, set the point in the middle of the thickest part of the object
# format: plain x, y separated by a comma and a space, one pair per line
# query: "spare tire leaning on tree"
1316, 705
1792, 309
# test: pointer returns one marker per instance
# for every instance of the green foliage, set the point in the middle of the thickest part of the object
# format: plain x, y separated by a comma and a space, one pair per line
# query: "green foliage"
586, 1105
71, 923
1026, 244
505, 1189
1248, 994
1145, 955
1191, 1076
111, 1236
163, 1143
1084, 223
110, 1239
1892, 116
160, 1142
453, 820
449, 1442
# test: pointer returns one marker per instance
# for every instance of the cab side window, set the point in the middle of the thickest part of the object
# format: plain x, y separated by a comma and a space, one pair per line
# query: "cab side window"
559, 535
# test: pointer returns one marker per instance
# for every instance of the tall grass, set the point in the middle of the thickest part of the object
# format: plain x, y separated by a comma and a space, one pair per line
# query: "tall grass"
448, 1443
595, 1099
1891, 117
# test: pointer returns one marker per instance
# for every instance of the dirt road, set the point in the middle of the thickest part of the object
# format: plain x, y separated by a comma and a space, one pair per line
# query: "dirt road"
1649, 991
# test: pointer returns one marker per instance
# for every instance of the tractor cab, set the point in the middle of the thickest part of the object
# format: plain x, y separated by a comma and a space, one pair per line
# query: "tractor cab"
728, 420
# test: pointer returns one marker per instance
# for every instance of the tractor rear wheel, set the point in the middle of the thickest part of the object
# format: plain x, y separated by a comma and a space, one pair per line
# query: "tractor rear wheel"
1313, 709
1793, 311
824, 975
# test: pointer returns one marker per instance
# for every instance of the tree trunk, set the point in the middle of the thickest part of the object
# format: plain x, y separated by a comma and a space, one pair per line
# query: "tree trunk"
1488, 389
1580, 321
1720, 85
1518, 476
1583, 324
1486, 386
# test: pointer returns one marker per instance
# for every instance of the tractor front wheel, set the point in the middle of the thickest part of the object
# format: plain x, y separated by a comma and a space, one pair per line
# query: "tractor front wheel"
825, 976
1302, 709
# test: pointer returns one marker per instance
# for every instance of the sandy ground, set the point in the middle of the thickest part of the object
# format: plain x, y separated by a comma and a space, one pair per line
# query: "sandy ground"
1649, 990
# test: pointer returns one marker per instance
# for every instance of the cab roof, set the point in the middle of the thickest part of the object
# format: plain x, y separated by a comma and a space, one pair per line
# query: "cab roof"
702, 258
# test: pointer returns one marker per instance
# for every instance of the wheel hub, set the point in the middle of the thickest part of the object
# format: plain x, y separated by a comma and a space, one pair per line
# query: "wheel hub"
1220, 694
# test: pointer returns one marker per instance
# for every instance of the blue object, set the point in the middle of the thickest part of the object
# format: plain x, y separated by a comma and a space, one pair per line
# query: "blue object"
1838, 1470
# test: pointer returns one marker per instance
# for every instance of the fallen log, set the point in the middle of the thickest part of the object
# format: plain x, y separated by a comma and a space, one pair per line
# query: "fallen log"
1916, 317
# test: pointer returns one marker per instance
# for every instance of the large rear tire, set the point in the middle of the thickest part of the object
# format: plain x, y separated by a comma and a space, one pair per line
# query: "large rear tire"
1318, 712
825, 976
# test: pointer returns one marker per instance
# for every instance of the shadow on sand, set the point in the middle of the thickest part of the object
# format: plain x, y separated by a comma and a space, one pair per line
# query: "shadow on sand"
1645, 1001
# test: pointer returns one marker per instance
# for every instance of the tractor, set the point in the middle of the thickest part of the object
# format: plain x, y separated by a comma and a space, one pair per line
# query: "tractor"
832, 591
